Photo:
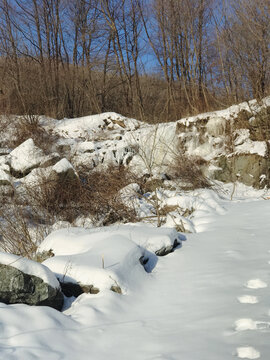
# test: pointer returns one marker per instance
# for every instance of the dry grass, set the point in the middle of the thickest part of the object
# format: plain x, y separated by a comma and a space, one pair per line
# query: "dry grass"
28, 126
27, 219
100, 194
20, 232
189, 170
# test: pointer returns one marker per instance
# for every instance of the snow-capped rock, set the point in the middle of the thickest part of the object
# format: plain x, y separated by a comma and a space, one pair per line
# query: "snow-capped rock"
28, 282
28, 156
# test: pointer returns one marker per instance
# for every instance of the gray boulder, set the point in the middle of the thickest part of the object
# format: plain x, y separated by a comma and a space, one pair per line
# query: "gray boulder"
18, 287
246, 168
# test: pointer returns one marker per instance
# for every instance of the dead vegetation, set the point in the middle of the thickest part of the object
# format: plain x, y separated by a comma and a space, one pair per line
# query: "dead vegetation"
28, 126
20, 231
189, 171
28, 217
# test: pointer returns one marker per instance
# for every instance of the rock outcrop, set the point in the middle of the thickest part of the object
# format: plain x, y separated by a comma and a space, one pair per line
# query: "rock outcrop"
23, 281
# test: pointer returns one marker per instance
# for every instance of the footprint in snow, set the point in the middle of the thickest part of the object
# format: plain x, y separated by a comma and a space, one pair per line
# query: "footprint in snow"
248, 352
248, 299
249, 324
256, 284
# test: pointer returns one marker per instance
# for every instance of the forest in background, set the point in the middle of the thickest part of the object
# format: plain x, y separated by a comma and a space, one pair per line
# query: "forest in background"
155, 60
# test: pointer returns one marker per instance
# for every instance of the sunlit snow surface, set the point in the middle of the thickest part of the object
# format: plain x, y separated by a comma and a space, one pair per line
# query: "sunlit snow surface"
207, 300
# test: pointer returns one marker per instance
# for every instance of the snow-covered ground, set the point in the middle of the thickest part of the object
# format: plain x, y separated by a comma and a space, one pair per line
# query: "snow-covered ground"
208, 300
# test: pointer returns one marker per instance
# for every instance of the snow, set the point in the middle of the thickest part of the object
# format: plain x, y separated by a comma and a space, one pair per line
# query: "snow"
78, 240
62, 166
256, 284
121, 265
87, 126
248, 299
207, 300
248, 352
252, 147
26, 156
29, 267
4, 177
105, 256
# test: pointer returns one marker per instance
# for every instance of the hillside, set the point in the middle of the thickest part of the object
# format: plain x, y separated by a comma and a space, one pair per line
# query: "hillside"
153, 239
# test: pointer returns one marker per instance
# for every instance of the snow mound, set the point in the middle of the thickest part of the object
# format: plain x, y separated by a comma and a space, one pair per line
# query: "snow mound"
77, 240
105, 256
87, 126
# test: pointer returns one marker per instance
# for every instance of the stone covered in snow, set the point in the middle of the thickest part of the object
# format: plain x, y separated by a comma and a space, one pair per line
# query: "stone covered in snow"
63, 166
107, 257
28, 282
87, 127
5, 178
28, 156
63, 171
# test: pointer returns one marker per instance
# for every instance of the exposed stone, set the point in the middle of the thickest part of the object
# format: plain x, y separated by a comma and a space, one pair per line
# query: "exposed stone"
94, 290
75, 289
116, 289
4, 178
63, 171
246, 168
64, 148
165, 250
18, 287
259, 125
143, 260
87, 288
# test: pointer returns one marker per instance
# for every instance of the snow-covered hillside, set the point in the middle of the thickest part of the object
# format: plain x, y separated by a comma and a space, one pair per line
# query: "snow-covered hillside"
150, 235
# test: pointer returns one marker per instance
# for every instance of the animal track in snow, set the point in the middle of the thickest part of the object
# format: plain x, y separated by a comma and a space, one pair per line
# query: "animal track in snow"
248, 299
256, 284
248, 352
249, 324
245, 324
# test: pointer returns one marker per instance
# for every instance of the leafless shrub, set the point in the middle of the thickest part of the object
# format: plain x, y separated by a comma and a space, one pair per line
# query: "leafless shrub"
94, 193
27, 219
19, 235
100, 194
54, 197
241, 121
29, 126
189, 170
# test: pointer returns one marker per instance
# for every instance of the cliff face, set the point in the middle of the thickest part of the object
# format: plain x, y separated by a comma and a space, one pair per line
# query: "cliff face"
235, 142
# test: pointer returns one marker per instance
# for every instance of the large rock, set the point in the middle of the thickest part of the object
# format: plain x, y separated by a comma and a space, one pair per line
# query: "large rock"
27, 282
250, 169
27, 157
63, 171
